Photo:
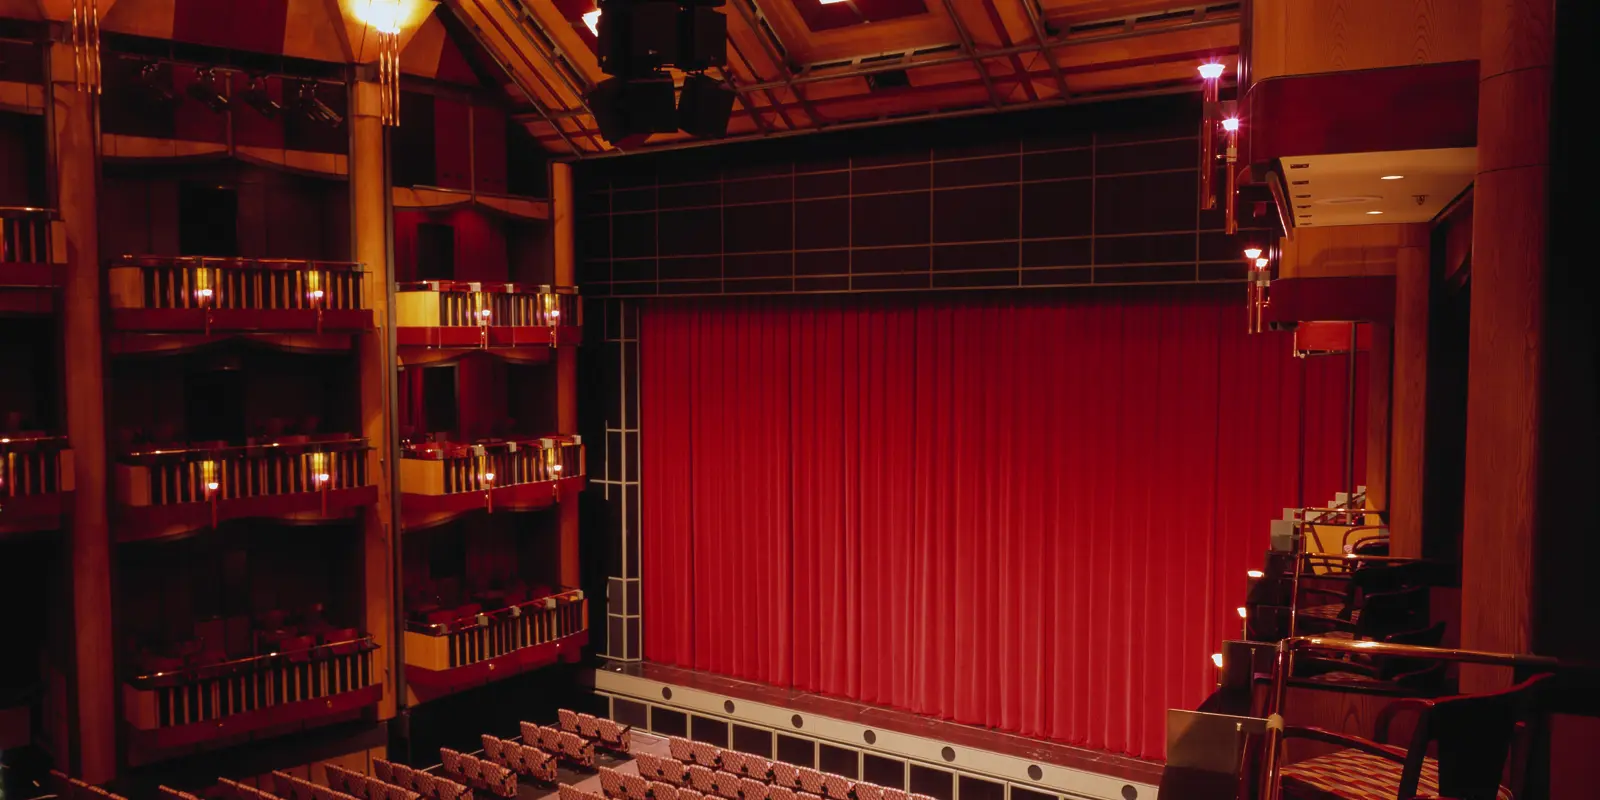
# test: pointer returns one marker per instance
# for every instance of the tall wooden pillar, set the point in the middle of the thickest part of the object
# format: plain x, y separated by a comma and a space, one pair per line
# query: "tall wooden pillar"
566, 274
1408, 395
370, 225
1508, 344
93, 705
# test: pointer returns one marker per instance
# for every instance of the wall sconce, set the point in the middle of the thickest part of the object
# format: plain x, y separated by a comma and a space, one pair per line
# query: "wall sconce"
1217, 115
384, 16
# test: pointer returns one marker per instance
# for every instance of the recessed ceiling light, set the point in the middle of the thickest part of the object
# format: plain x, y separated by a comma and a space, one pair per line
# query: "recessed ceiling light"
1374, 212
1391, 177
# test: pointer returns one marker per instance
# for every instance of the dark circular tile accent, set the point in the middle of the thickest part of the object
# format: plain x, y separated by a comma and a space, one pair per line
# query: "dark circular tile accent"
948, 754
797, 721
666, 693
1128, 792
1034, 773
871, 737
727, 705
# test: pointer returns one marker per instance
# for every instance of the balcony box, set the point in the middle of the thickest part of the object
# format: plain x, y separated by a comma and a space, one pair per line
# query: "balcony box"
160, 294
448, 656
446, 479
163, 492
32, 248
35, 482
470, 315
193, 704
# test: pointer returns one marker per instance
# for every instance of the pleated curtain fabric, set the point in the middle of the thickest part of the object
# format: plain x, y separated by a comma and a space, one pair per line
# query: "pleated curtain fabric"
1028, 514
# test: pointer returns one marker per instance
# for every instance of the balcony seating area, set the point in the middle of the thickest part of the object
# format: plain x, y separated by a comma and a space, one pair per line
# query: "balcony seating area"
28, 255
428, 785
175, 488
472, 315
65, 787
447, 478
479, 773
446, 630
240, 674
35, 474
602, 731
364, 787
193, 294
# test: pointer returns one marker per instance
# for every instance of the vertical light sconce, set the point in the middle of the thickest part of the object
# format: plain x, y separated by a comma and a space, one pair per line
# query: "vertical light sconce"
383, 16
85, 36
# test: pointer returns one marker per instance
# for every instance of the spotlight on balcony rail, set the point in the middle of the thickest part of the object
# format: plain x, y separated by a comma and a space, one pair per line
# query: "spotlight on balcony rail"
256, 96
1256, 573
322, 478
206, 89
212, 486
1230, 124
1212, 71
555, 313
316, 294
488, 477
157, 83
1252, 253
484, 313
312, 106
1243, 612
555, 467
204, 293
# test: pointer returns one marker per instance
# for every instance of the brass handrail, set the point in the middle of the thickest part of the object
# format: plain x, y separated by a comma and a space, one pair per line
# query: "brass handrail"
489, 617
362, 644
1302, 559
1283, 667
243, 451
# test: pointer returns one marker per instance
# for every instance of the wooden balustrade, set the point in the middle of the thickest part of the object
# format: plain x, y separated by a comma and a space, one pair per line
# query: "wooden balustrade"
212, 693
160, 477
25, 235
455, 468
503, 632
472, 314
236, 283
35, 466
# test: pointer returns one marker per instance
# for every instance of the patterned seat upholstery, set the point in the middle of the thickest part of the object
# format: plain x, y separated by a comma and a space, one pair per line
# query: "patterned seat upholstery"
681, 749
540, 763
565, 792
588, 726
568, 720
610, 782
501, 781
614, 736
451, 760
895, 794
689, 794
758, 768
868, 791
752, 789
807, 796
786, 775
1354, 775
811, 781
635, 787
663, 791
920, 797
702, 779
578, 749
727, 785
776, 792
705, 755
835, 787
494, 749
321, 792
383, 770
731, 761
550, 740
530, 733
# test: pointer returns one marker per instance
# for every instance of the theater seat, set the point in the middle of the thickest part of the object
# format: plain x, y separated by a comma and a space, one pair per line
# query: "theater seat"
568, 720
611, 782
835, 787
635, 787
811, 781
681, 749
787, 775
868, 791
752, 789
702, 779
727, 785
663, 791
705, 755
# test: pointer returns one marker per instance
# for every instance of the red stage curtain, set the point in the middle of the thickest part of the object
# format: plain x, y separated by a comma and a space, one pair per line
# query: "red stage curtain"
1028, 514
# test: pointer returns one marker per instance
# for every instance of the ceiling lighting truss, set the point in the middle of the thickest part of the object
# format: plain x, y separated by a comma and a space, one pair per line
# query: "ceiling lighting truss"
971, 52
773, 46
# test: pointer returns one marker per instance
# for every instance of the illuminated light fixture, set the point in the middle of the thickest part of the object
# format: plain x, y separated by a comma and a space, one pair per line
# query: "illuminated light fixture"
322, 478
555, 467
382, 15
591, 20
488, 477
1216, 658
555, 313
484, 313
1256, 573
829, 2
1230, 124
212, 486
1373, 213
1391, 177
204, 292
316, 293
1210, 71
1252, 253
1243, 612
1261, 263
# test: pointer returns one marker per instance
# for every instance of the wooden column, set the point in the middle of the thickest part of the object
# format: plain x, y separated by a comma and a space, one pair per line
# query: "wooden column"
93, 705
566, 274
1508, 341
1409, 396
369, 202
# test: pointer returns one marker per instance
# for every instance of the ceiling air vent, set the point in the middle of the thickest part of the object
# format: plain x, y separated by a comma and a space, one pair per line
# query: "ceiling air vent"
891, 79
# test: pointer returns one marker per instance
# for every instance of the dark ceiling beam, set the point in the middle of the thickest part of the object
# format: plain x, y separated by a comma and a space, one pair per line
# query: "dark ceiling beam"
1040, 35
543, 113
971, 51
756, 21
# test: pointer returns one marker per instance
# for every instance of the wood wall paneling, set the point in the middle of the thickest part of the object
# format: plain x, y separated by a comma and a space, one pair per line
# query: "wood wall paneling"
1298, 37
1409, 409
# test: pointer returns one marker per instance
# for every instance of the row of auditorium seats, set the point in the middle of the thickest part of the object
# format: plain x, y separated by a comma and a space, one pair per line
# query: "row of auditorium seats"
431, 787
603, 732
365, 787
68, 788
523, 759
289, 787
479, 773
731, 775
231, 790
569, 746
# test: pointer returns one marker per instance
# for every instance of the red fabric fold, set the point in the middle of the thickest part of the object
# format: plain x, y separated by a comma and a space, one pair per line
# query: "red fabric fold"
1028, 514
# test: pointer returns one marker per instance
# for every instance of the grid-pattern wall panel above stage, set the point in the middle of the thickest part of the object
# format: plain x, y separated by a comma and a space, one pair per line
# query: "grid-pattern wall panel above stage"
611, 505
1092, 195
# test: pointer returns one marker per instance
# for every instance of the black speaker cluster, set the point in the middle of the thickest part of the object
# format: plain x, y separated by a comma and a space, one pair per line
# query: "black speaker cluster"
639, 40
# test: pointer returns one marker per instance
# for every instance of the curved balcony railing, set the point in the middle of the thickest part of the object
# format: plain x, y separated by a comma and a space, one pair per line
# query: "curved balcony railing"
260, 284
473, 314
34, 466
25, 235
494, 634
162, 477
451, 468
213, 692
